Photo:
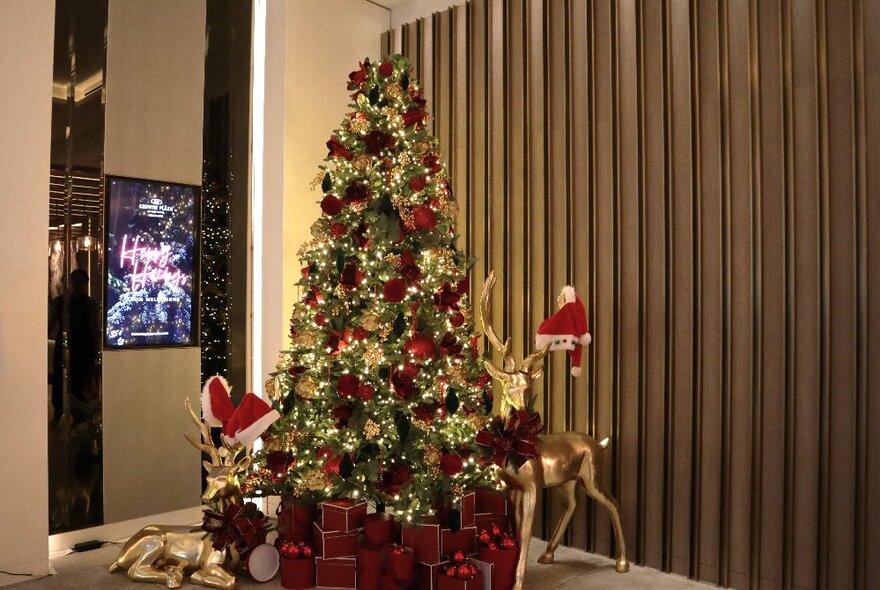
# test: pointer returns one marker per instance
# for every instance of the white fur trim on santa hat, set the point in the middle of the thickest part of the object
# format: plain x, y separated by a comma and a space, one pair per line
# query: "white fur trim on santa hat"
568, 294
586, 339
207, 412
542, 340
247, 436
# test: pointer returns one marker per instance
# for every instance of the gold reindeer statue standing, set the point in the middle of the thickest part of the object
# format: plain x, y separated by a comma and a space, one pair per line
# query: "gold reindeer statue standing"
165, 554
565, 459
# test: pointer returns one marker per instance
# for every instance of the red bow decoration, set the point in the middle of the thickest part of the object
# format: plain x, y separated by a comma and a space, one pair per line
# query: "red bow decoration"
243, 527
514, 439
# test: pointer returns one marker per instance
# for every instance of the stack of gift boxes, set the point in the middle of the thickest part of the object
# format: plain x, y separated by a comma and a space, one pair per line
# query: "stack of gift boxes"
353, 549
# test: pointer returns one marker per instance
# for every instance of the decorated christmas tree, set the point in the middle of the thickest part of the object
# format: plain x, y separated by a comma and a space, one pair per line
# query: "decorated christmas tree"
381, 392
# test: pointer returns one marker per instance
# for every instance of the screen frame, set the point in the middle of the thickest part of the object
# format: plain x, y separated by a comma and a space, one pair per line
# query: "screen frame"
196, 315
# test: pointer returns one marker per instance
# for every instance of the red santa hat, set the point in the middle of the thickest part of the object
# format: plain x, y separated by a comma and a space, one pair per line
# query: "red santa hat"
243, 424
567, 329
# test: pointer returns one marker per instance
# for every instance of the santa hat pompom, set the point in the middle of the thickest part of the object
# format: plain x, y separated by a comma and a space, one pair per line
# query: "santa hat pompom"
217, 405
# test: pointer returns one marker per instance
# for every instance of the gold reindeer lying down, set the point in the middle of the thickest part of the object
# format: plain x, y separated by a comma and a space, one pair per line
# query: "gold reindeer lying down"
165, 554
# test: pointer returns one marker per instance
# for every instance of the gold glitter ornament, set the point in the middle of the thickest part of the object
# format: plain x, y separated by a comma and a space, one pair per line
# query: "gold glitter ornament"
457, 490
305, 339
299, 312
456, 372
404, 159
306, 388
295, 437
421, 424
359, 125
432, 455
271, 387
314, 479
394, 91
362, 163
421, 148
362, 101
385, 331
359, 206
371, 430
340, 292
373, 355
467, 313
370, 322
393, 260
271, 443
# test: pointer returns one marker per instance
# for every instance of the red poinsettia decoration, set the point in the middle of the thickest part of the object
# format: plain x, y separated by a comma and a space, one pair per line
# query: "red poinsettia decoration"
359, 76
336, 149
279, 463
376, 141
403, 381
514, 439
450, 464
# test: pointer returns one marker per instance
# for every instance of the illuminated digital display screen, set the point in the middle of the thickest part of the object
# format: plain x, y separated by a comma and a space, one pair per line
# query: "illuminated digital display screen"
150, 263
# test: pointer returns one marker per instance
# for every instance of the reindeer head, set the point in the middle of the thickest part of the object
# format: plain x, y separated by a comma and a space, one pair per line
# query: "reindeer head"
222, 483
516, 382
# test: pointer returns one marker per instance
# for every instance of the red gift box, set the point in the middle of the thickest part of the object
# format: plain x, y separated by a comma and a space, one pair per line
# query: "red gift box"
504, 565
466, 507
492, 503
424, 539
340, 572
485, 522
379, 529
342, 515
463, 540
445, 582
330, 544
297, 574
487, 569
295, 521
427, 575
369, 567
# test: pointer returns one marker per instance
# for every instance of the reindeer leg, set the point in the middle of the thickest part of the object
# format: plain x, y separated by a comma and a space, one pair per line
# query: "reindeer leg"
529, 497
213, 576
516, 500
568, 489
622, 565
150, 550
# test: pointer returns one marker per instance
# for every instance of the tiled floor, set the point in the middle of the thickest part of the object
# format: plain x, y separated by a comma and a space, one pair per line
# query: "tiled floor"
573, 570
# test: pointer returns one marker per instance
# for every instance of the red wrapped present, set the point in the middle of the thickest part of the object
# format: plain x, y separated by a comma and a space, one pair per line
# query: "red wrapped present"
424, 538
369, 567
475, 582
492, 503
487, 569
342, 515
503, 565
379, 529
401, 562
466, 506
297, 564
427, 575
488, 521
340, 572
295, 521
330, 544
297, 574
460, 574
462, 540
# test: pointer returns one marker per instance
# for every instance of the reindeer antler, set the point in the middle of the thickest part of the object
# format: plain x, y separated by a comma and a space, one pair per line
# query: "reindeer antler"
485, 316
535, 357
207, 445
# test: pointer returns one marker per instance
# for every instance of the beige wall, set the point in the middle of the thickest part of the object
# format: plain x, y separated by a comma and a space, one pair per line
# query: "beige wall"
155, 85
325, 41
26, 43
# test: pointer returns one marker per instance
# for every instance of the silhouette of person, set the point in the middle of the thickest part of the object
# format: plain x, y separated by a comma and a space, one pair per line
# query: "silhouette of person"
82, 338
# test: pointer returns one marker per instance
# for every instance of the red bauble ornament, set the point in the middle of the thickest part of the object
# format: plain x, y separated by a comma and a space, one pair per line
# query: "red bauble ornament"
458, 556
463, 572
421, 346
457, 320
320, 319
348, 385
386, 69
365, 392
417, 183
394, 290
450, 571
331, 205
507, 542
306, 552
338, 229
424, 218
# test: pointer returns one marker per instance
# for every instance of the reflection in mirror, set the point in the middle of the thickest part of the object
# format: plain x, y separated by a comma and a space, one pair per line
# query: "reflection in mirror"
74, 266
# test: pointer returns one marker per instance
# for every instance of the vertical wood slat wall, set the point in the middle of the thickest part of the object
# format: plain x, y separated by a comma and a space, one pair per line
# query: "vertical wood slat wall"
707, 174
